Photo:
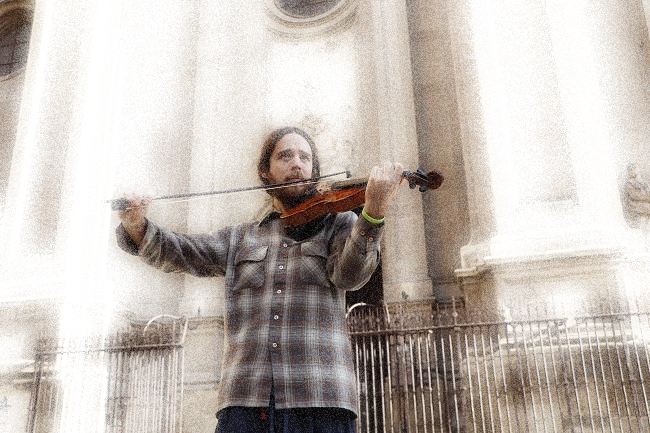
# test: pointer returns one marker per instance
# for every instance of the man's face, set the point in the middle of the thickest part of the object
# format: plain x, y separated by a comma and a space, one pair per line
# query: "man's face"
291, 160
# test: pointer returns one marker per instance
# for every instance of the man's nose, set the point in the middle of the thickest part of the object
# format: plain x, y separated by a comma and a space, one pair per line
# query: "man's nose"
297, 162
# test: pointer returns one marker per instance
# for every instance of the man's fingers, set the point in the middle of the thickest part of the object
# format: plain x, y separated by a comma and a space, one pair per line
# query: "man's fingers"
387, 173
133, 208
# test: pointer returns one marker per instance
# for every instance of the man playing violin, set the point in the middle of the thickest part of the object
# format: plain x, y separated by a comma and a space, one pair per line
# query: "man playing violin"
289, 365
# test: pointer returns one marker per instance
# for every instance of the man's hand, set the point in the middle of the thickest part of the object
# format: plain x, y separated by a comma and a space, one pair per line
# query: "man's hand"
383, 184
133, 216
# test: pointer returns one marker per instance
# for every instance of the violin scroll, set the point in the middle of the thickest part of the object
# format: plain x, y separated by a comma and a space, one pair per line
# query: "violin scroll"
426, 181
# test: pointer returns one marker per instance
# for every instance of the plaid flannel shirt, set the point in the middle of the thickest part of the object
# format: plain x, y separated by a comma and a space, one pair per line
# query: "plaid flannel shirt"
284, 304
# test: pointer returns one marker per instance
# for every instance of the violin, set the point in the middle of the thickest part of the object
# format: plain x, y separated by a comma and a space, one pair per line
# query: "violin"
340, 196
349, 194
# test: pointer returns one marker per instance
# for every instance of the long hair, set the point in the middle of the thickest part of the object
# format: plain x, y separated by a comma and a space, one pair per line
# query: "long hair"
264, 163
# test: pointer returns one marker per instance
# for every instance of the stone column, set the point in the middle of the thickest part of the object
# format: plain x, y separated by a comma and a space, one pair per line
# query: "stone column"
34, 187
474, 141
621, 59
578, 37
53, 227
439, 135
15, 15
537, 81
54, 230
404, 248
478, 176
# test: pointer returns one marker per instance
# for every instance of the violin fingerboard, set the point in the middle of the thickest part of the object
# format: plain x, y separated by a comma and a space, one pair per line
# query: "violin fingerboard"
349, 183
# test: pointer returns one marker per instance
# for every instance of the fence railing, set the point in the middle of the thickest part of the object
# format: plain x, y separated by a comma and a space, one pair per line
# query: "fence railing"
132, 380
425, 368
421, 368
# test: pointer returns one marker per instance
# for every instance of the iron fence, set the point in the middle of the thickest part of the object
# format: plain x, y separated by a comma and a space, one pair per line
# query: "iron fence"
423, 367
133, 380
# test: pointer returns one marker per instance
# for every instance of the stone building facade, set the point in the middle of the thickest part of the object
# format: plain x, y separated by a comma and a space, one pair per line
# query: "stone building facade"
532, 110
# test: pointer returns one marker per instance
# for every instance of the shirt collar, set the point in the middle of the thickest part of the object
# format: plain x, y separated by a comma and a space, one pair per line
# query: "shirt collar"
270, 216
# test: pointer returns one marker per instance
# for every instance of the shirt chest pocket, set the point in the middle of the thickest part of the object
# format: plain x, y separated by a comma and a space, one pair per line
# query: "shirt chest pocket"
249, 267
313, 263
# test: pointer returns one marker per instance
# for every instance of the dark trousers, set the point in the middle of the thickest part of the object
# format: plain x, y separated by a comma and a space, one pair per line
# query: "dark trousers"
238, 419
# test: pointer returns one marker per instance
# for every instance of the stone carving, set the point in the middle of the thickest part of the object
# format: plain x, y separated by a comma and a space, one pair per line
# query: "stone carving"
637, 199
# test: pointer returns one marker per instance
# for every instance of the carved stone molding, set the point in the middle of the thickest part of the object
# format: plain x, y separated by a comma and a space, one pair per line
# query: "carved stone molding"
303, 19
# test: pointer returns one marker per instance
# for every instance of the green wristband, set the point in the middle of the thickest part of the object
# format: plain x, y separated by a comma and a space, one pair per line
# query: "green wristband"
370, 219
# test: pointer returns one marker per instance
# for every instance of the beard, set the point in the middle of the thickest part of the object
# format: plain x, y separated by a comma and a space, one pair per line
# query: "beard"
290, 199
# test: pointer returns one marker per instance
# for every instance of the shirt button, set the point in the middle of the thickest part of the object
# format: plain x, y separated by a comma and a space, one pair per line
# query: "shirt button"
279, 291
281, 267
285, 245
276, 317
274, 344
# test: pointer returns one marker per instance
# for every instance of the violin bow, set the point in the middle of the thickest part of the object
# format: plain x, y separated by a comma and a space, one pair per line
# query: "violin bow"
122, 203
